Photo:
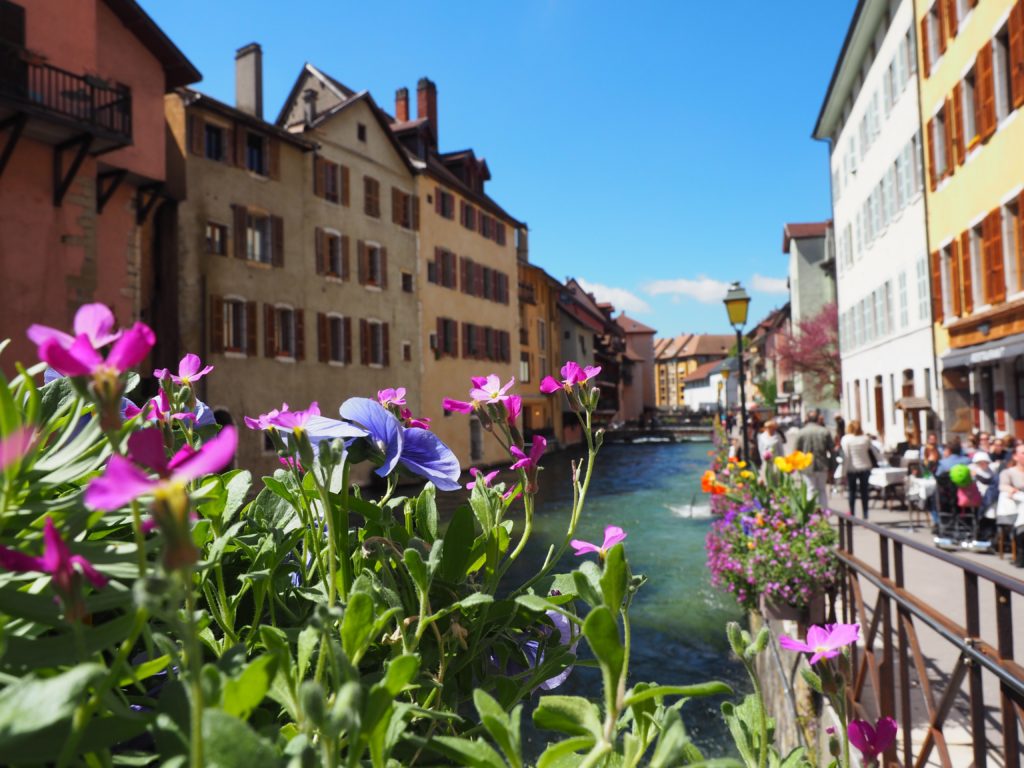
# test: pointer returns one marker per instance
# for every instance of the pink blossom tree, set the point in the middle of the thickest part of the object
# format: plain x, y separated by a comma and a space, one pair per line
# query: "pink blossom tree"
812, 349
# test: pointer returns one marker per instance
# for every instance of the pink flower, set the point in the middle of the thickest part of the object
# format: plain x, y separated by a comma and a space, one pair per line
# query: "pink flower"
612, 536
490, 389
513, 407
265, 420
411, 421
824, 642
189, 369
457, 406
94, 321
82, 359
480, 477
295, 420
14, 446
57, 561
158, 409
872, 741
572, 374
389, 396
529, 463
125, 479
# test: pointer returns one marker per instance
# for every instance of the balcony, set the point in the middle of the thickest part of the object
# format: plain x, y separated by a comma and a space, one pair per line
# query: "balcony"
527, 294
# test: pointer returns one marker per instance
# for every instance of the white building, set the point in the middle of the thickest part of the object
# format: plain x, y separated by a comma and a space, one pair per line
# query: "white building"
870, 117
713, 386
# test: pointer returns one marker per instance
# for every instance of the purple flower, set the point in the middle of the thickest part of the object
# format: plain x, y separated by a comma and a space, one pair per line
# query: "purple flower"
296, 420
566, 636
529, 463
94, 321
390, 396
409, 420
383, 430
872, 741
425, 455
14, 446
612, 536
158, 409
82, 359
265, 420
513, 407
190, 369
572, 374
824, 642
490, 389
480, 477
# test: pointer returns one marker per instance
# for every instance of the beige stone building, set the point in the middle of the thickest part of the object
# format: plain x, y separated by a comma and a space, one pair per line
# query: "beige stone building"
677, 357
540, 352
296, 281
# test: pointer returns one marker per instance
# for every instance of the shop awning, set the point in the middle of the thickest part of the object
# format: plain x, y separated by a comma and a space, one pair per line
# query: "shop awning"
978, 354
913, 404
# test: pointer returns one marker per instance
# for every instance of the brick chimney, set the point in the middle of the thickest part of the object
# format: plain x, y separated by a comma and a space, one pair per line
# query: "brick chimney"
402, 105
426, 103
249, 79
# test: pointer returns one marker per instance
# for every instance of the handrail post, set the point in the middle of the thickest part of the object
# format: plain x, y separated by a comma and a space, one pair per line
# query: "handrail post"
886, 696
973, 625
1004, 631
902, 617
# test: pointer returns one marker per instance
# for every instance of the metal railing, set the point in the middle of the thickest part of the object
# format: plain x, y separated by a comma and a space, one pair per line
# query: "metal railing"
893, 624
100, 105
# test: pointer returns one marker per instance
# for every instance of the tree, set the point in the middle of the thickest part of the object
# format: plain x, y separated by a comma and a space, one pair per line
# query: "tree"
812, 349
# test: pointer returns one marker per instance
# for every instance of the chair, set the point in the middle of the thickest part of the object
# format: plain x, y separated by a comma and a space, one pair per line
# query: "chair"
955, 523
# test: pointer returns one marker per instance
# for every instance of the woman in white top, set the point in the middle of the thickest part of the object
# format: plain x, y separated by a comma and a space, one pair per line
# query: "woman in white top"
857, 463
770, 443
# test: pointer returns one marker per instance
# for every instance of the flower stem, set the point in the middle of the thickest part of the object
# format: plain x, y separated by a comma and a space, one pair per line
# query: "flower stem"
195, 666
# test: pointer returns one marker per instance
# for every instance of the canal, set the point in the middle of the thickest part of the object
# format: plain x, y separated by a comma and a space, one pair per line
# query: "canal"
653, 492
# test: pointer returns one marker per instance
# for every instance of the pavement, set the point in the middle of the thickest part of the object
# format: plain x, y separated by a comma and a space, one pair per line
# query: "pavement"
941, 586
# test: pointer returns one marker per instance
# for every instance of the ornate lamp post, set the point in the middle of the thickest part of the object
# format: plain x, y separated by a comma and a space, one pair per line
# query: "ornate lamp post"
736, 304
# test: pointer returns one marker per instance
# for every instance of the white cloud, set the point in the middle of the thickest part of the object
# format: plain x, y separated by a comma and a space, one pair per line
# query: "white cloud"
620, 297
703, 289
763, 284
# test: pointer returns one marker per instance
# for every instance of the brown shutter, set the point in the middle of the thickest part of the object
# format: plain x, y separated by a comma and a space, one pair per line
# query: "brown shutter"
415, 212
319, 251
941, 9
955, 287
958, 123
385, 336
1020, 238
465, 339
463, 270
216, 324
985, 92
361, 262
922, 43
936, 287
994, 255
240, 136
1016, 35
269, 340
318, 176
439, 350
273, 157
196, 135
300, 334
277, 240
929, 140
437, 200
364, 342
239, 230
344, 258
478, 279
344, 185
948, 125
396, 206
383, 267
251, 330
966, 273
323, 340
348, 339
950, 13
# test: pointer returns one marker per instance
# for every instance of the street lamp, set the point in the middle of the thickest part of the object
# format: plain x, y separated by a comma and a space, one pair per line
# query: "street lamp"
736, 304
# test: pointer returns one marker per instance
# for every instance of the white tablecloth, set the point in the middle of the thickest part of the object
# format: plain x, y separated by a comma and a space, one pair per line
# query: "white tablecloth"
921, 488
886, 477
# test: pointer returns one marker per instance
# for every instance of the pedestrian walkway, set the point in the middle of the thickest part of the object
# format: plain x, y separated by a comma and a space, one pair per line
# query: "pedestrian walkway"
941, 586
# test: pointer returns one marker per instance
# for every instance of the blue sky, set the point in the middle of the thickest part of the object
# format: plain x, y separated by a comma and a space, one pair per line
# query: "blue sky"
654, 149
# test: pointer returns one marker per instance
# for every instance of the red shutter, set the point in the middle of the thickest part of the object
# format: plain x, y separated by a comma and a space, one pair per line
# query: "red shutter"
364, 342
323, 337
994, 255
345, 272
240, 216
196, 135
985, 92
439, 348
437, 200
922, 41
950, 13
478, 279
251, 330
929, 140
300, 335
277, 241
958, 123
936, 287
464, 273
319, 255
1016, 34
274, 158
344, 185
348, 339
948, 125
361, 262
415, 211
318, 176
383, 267
966, 273
269, 340
216, 324
941, 11
385, 334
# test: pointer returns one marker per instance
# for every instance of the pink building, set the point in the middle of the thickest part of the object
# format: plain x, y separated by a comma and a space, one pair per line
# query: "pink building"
638, 395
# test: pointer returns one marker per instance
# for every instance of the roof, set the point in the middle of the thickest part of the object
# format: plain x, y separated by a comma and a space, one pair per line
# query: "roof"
341, 90
709, 344
629, 325
178, 70
792, 232
193, 97
703, 371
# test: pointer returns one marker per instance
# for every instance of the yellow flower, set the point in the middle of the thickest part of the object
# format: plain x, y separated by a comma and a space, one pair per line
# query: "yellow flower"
750, 545
741, 464
782, 463
746, 474
799, 460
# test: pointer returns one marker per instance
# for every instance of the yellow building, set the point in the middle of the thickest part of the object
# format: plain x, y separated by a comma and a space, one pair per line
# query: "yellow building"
677, 357
539, 350
971, 57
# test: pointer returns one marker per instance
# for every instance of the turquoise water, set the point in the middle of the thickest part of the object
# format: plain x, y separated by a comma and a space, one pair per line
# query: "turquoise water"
678, 619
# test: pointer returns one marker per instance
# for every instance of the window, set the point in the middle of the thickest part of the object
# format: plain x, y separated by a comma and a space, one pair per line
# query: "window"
406, 352
216, 238
284, 332
933, 30
336, 339
405, 209
360, 131
968, 108
938, 143
447, 337
1001, 72
371, 197
476, 439
257, 234
374, 265
542, 367
922, 289
444, 203
467, 215
235, 326
375, 342
486, 226
332, 254
499, 233
950, 286
256, 153
214, 144
918, 163
1013, 247
904, 308
524, 367
542, 335
978, 287
407, 282
332, 185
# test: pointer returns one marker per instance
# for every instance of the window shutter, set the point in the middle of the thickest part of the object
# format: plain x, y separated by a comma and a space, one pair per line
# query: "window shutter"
318, 176
940, 8
196, 135
466, 348
948, 125
463, 271
950, 13
269, 340
273, 157
505, 291
345, 273
240, 137
361, 262
216, 324
936, 287
415, 204
1016, 35
383, 267
958, 122
396, 205
300, 334
966, 273
922, 41
344, 185
364, 342
319, 255
277, 238
994, 253
323, 339
478, 279
985, 95
385, 336
239, 233
348, 339
251, 330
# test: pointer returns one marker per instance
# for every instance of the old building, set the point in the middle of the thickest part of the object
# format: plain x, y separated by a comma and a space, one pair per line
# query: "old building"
638, 386
539, 350
679, 356
770, 375
971, 61
82, 159
871, 120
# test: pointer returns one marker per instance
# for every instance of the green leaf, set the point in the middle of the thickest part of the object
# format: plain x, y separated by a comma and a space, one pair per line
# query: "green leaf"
552, 756
237, 482
309, 637
573, 715
602, 634
243, 694
458, 544
357, 624
230, 743
481, 504
671, 743
702, 689
30, 705
470, 753
144, 670
498, 724
812, 679
587, 579
400, 672
615, 577
426, 513
539, 604
477, 598
417, 569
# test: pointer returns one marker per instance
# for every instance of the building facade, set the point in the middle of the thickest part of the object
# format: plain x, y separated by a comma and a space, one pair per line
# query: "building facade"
638, 385
539, 350
971, 63
679, 356
871, 120
82, 160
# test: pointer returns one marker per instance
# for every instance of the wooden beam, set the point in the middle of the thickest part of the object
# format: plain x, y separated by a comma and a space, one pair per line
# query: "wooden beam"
16, 123
61, 180
145, 198
106, 185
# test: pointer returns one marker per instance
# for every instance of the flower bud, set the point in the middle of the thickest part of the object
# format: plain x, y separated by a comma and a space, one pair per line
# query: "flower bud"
314, 704
171, 512
277, 441
186, 399
485, 419
595, 395
300, 443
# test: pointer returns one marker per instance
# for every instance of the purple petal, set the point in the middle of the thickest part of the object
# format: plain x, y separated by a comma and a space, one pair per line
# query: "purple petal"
862, 736
792, 644
14, 446
97, 322
80, 359
213, 456
40, 333
119, 484
132, 348
458, 406
384, 429
97, 579
612, 536
321, 428
189, 366
478, 381
843, 634
583, 547
146, 448
590, 372
161, 373
550, 385
885, 733
18, 562
540, 444
425, 455
570, 372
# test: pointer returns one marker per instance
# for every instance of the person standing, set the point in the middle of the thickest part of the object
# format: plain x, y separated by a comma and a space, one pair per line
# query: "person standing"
814, 439
1011, 500
857, 452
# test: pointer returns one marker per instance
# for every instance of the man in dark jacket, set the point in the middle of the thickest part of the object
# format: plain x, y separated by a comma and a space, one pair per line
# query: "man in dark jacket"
814, 439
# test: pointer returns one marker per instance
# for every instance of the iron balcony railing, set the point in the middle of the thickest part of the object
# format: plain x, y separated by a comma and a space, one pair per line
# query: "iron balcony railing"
97, 104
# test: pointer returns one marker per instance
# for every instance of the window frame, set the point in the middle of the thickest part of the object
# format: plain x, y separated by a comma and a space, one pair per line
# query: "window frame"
222, 230
336, 338
280, 351
332, 236
375, 342
210, 130
263, 168
374, 264
229, 304
253, 218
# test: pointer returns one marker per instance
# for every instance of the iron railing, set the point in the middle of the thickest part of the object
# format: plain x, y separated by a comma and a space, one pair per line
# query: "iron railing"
893, 625
98, 104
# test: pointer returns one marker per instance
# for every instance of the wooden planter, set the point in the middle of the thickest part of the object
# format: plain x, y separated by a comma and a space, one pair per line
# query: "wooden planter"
776, 610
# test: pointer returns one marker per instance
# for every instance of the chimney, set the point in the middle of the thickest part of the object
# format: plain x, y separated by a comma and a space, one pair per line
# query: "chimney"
249, 79
309, 105
402, 105
426, 102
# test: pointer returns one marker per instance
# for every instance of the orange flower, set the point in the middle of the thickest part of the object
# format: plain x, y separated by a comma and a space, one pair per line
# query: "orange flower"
707, 481
750, 545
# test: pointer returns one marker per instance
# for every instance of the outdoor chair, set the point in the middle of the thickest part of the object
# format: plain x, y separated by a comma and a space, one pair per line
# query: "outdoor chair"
956, 524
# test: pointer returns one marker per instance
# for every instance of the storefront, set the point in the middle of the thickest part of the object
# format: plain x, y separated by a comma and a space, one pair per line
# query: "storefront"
983, 388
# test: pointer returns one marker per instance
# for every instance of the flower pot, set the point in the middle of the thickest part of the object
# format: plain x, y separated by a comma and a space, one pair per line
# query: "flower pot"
779, 610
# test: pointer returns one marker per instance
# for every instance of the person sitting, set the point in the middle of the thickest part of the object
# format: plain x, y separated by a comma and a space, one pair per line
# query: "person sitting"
952, 455
987, 481
1010, 510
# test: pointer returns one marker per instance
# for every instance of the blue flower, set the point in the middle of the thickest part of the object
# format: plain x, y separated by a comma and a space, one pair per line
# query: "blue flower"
425, 455
383, 430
